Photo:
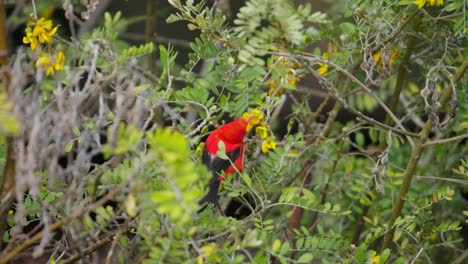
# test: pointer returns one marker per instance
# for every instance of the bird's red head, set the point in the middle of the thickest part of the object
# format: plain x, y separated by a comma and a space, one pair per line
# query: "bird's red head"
235, 131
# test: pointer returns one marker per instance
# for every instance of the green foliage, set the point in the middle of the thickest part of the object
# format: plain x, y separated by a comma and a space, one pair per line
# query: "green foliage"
328, 191
182, 182
262, 25
136, 51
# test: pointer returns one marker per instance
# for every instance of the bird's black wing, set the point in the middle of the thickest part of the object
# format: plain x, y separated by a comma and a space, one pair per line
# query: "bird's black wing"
216, 165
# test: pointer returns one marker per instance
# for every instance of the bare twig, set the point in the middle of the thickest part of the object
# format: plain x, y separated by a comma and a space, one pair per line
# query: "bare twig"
5, 257
445, 140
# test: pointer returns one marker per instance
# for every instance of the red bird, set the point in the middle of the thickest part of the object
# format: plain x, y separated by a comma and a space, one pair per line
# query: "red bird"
232, 135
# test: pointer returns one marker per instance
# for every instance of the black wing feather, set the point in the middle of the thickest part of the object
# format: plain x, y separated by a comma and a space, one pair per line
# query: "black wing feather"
216, 165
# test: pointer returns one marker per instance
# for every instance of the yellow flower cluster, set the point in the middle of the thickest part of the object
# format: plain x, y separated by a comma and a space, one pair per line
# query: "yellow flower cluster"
323, 66
261, 129
50, 63
422, 3
42, 31
290, 77
39, 32
256, 117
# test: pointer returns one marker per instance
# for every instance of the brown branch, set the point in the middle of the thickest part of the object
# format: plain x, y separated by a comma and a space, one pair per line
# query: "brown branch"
7, 256
359, 225
150, 32
296, 216
402, 70
319, 110
150, 14
8, 181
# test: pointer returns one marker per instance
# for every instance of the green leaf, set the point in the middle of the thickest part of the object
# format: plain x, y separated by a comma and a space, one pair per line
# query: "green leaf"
384, 256
76, 131
360, 140
305, 258
285, 248
222, 151
400, 260
69, 146
247, 179
454, 6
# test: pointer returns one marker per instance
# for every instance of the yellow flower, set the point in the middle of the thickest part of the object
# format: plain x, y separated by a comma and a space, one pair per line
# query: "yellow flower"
419, 3
30, 39
51, 66
40, 32
58, 65
422, 3
256, 117
375, 258
262, 131
268, 144
44, 31
44, 61
323, 66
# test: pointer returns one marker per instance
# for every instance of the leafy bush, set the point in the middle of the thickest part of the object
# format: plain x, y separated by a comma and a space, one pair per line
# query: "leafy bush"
100, 141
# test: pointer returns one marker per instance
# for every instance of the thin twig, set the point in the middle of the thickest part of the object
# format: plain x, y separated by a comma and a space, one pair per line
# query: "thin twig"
445, 140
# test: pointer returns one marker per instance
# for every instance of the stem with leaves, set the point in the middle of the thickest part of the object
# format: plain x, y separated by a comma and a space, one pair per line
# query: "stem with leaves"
415, 155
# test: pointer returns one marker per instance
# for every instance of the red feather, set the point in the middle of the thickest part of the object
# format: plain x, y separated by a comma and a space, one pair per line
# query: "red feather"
232, 135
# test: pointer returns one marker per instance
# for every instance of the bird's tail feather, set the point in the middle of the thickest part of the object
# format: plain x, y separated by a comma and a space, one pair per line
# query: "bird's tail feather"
212, 195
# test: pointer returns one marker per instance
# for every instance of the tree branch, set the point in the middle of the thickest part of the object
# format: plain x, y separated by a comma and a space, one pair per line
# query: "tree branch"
8, 181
